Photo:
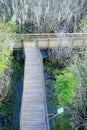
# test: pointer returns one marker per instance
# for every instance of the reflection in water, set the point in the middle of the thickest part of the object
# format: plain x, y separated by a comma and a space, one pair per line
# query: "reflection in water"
17, 103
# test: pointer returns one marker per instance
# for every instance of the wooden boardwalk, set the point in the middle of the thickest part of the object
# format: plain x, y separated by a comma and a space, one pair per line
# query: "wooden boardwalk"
51, 40
33, 111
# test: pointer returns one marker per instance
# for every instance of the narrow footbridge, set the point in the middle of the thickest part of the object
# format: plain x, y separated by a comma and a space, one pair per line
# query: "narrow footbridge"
33, 111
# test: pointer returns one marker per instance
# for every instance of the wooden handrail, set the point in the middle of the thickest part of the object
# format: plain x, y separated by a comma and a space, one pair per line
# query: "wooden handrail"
50, 35
45, 101
52, 39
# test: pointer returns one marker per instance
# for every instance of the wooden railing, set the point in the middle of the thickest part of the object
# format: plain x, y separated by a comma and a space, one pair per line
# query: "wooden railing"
50, 35
44, 91
52, 39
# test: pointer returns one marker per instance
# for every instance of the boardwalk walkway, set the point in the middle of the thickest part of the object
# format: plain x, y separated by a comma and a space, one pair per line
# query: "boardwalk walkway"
33, 111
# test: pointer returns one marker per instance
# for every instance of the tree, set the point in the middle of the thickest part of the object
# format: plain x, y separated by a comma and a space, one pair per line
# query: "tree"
46, 15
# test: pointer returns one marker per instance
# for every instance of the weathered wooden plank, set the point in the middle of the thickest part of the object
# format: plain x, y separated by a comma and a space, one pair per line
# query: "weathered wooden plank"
33, 110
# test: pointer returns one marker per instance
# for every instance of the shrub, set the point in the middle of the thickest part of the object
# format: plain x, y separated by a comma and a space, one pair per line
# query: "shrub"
65, 87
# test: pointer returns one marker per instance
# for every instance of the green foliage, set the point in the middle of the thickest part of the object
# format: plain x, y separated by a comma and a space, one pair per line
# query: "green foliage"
4, 58
10, 69
64, 124
13, 26
17, 69
61, 122
65, 87
83, 25
7, 104
79, 106
53, 126
61, 85
8, 29
6, 35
